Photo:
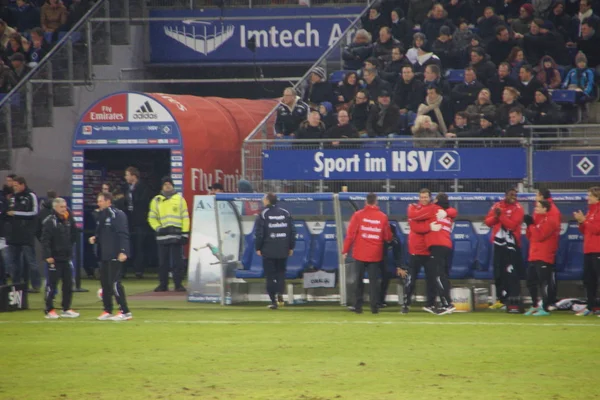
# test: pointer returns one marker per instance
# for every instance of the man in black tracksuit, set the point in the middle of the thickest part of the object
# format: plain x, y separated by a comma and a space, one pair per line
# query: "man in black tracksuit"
396, 250
57, 238
137, 200
275, 239
112, 237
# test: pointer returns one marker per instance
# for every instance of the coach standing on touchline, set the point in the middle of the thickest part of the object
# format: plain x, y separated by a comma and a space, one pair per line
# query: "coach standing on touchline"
369, 228
275, 240
112, 237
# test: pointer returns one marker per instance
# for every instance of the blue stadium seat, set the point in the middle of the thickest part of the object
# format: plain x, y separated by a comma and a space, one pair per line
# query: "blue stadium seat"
338, 76
406, 143
564, 96
455, 75
252, 262
573, 266
562, 71
325, 254
465, 250
374, 145
485, 253
298, 262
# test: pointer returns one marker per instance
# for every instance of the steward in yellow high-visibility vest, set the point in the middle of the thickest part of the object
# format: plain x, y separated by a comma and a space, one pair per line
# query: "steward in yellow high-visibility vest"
169, 217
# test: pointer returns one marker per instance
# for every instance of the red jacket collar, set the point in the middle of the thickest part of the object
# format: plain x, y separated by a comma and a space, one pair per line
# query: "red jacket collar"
367, 207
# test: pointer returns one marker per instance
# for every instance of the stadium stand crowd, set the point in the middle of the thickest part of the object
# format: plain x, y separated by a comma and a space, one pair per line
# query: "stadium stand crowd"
457, 68
28, 29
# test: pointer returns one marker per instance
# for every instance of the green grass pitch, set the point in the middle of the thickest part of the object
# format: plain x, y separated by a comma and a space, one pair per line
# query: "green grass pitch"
177, 350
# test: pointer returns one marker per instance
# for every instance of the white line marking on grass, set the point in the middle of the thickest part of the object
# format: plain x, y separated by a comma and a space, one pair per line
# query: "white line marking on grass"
345, 322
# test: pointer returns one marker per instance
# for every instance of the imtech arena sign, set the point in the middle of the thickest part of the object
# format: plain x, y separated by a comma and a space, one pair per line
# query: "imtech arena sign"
195, 36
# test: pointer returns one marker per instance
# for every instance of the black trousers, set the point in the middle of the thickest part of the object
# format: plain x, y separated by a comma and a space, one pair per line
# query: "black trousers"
410, 282
438, 264
275, 276
386, 276
591, 273
61, 270
507, 264
110, 279
3, 270
541, 274
373, 270
170, 258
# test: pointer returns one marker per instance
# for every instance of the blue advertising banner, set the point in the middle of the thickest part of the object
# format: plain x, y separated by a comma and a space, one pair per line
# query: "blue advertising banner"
189, 37
363, 164
560, 166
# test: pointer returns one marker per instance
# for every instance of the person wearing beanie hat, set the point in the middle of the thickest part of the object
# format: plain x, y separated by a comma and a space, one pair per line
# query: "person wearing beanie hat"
581, 79
488, 128
520, 26
401, 29
170, 219
244, 186
318, 89
543, 111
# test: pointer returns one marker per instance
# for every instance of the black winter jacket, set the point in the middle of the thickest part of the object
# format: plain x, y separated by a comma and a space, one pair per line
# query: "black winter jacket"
22, 226
275, 233
58, 237
112, 234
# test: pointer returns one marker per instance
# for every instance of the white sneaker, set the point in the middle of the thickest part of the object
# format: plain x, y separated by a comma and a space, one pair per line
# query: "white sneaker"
52, 315
69, 314
104, 316
122, 317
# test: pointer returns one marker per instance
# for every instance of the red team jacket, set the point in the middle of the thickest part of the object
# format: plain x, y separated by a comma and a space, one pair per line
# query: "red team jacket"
590, 229
369, 228
554, 213
511, 218
542, 238
427, 214
418, 229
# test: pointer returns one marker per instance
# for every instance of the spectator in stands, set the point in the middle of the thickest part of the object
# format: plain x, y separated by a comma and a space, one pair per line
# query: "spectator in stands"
319, 89
561, 20
375, 85
138, 198
433, 76
528, 85
7, 78
424, 128
501, 80
464, 94
543, 111
418, 10
462, 36
426, 58
76, 10
37, 48
393, 69
509, 102
290, 113
483, 105
484, 68
343, 129
580, 79
27, 16
458, 11
53, 15
408, 95
437, 108
311, 129
548, 74
510, 9
382, 48
328, 118
5, 33
347, 89
436, 19
119, 201
359, 111
488, 128
585, 13
461, 126
401, 28
516, 124
373, 21
516, 59
418, 42
488, 25
541, 8
475, 42
18, 66
500, 47
15, 45
355, 54
384, 117
589, 43
371, 63
520, 26
445, 49
535, 44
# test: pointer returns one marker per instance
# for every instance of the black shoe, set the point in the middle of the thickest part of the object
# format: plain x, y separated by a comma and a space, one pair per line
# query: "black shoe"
139, 275
33, 290
180, 289
351, 308
161, 289
404, 310
375, 311
272, 306
358, 310
430, 309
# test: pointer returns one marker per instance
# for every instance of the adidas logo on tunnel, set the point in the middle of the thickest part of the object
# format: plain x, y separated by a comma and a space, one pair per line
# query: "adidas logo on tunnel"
145, 112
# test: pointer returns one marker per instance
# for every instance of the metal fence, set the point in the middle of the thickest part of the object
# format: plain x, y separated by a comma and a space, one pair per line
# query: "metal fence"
252, 163
198, 4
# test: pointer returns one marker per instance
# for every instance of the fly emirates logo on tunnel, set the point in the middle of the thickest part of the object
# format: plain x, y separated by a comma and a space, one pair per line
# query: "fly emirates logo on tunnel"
124, 108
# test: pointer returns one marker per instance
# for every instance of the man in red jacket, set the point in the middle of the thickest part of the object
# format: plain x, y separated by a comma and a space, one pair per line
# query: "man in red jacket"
419, 253
589, 226
541, 232
554, 213
505, 218
369, 228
